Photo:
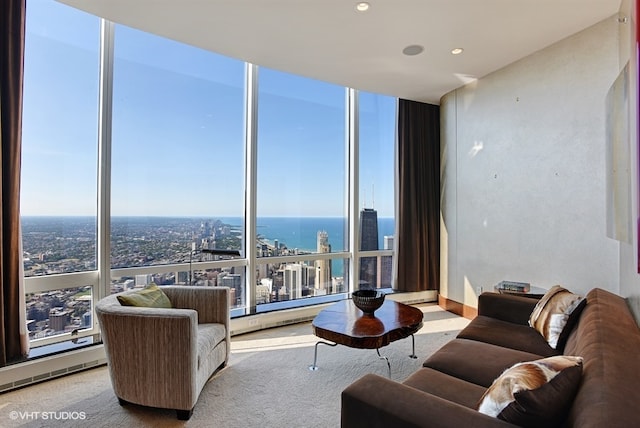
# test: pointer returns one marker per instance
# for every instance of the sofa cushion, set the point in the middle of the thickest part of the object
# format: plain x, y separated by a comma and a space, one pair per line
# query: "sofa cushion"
151, 297
461, 358
535, 393
444, 386
552, 312
503, 333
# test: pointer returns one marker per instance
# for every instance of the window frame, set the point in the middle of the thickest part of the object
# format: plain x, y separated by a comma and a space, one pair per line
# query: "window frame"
100, 279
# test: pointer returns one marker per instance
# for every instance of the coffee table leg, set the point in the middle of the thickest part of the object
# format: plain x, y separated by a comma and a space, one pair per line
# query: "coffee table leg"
315, 353
382, 357
413, 348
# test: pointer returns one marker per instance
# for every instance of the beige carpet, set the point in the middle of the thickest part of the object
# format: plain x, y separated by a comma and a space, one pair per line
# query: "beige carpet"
266, 384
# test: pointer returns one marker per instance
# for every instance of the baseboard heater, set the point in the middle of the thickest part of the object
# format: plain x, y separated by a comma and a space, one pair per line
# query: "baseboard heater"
49, 367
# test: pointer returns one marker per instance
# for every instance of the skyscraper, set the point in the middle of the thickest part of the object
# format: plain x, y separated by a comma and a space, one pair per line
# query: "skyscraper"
323, 267
234, 281
388, 242
385, 265
368, 242
293, 279
368, 229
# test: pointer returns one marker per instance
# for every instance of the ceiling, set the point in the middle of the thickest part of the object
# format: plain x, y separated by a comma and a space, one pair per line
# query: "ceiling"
331, 41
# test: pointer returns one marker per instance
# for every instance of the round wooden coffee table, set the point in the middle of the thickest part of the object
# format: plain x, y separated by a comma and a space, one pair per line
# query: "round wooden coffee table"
344, 324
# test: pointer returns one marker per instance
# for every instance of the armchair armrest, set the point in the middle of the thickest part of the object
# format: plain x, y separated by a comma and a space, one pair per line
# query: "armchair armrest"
127, 331
506, 307
211, 303
376, 402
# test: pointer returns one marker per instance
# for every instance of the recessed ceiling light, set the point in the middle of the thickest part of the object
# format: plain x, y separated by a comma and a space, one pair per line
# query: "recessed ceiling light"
413, 50
457, 51
362, 6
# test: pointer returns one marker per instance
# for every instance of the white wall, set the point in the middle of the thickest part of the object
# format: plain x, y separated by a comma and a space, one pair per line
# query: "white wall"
629, 277
523, 172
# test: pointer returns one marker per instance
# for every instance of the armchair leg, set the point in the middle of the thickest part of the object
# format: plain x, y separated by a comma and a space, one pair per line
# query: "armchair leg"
184, 415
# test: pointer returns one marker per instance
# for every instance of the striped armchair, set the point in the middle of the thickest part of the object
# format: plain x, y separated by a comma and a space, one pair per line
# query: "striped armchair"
163, 357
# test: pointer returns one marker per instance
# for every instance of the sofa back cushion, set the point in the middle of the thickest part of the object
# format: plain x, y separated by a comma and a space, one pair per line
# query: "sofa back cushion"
555, 314
608, 339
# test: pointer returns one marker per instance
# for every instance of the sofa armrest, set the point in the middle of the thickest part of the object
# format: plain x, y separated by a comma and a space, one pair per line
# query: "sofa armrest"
506, 307
376, 402
211, 303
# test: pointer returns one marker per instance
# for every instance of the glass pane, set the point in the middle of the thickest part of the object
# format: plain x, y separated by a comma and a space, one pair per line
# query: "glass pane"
301, 164
178, 151
59, 139
232, 277
377, 119
281, 282
59, 311
55, 245
148, 241
376, 272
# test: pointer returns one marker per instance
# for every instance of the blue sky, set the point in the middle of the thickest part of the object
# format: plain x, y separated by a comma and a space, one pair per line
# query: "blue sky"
178, 145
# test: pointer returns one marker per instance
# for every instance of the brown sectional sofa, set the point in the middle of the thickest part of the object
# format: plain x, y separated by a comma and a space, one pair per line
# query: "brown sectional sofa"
446, 390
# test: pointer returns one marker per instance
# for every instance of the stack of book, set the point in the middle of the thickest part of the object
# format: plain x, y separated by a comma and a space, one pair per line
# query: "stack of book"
513, 287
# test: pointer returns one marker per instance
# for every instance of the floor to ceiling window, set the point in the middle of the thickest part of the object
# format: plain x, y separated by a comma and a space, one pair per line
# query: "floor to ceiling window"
59, 173
377, 130
301, 203
177, 159
177, 180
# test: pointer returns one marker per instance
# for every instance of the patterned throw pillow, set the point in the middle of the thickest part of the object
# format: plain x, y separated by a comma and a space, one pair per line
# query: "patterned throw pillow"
535, 393
555, 315
150, 297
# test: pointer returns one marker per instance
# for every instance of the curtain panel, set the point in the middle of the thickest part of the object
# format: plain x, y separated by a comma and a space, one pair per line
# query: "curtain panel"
13, 331
418, 215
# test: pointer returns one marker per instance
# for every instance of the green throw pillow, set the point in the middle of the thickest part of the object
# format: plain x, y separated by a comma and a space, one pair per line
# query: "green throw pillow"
150, 297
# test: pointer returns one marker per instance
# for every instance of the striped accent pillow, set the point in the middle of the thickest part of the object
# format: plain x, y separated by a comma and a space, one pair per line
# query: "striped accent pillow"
552, 313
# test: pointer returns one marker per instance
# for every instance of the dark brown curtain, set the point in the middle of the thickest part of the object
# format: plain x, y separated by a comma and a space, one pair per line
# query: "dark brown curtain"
418, 217
13, 340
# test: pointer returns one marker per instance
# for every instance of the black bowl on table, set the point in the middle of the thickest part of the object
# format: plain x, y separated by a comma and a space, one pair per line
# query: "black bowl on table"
368, 300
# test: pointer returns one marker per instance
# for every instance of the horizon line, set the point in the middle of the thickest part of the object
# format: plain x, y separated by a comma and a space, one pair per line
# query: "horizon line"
185, 216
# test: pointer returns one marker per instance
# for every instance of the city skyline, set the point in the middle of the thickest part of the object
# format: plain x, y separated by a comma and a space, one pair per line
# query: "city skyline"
68, 244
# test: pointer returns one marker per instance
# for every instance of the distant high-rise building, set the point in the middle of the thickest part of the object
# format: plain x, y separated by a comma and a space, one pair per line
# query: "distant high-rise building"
277, 287
182, 277
308, 276
385, 265
233, 281
262, 271
385, 274
86, 320
368, 229
264, 250
58, 319
262, 294
368, 242
293, 280
388, 242
323, 267
143, 280
205, 229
